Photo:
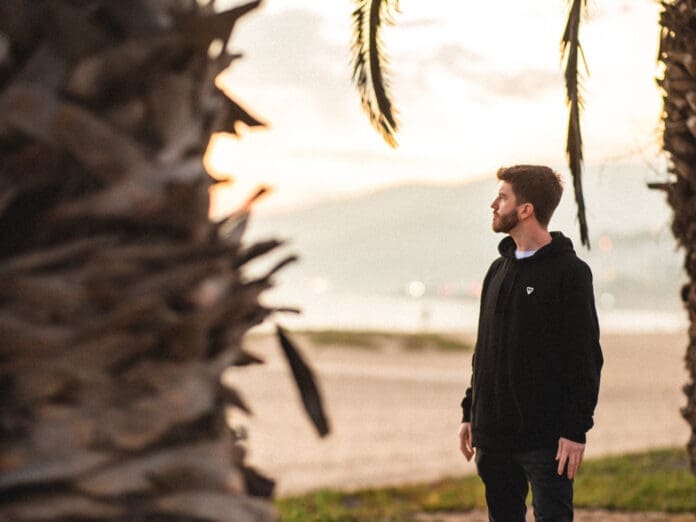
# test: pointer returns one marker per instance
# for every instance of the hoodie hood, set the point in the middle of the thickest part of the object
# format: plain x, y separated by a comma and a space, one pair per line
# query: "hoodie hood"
559, 244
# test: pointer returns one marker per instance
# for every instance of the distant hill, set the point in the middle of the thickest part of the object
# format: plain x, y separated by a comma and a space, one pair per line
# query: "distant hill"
441, 236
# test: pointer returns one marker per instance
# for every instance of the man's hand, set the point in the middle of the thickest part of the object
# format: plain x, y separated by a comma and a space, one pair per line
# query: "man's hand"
571, 453
465, 440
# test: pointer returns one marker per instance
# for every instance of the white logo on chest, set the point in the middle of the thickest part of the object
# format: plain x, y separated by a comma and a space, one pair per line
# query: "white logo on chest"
530, 289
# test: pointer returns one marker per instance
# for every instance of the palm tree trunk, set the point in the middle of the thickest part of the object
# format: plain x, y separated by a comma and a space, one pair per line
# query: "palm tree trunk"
678, 54
120, 302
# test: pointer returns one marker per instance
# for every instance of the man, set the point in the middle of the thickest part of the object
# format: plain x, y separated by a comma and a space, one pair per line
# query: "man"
537, 361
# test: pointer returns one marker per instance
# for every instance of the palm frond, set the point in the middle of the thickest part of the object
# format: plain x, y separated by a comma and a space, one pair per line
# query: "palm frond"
369, 64
571, 51
306, 383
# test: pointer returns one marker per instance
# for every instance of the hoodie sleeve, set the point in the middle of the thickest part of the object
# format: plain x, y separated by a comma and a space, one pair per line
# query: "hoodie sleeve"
466, 401
582, 359
468, 396
466, 406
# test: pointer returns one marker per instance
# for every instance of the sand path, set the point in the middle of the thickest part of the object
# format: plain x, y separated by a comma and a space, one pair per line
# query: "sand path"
395, 414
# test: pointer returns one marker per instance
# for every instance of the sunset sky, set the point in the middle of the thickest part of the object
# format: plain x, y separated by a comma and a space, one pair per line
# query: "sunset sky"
477, 85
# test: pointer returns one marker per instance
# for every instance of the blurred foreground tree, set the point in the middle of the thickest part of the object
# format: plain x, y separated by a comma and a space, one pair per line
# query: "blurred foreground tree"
677, 53
121, 303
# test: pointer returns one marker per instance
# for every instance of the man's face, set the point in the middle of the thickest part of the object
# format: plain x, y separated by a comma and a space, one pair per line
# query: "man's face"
504, 207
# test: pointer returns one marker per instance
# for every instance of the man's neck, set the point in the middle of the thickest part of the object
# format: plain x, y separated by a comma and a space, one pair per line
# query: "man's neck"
534, 239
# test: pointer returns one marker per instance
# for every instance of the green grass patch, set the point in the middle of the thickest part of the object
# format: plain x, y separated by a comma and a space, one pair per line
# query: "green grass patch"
373, 340
441, 342
347, 338
658, 480
384, 504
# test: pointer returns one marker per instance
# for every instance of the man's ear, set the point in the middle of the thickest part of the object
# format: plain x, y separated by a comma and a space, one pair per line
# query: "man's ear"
526, 210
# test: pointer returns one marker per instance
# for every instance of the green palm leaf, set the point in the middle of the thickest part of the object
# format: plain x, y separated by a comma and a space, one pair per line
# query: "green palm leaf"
369, 64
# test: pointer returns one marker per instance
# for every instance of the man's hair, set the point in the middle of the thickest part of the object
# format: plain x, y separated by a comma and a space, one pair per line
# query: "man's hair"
535, 184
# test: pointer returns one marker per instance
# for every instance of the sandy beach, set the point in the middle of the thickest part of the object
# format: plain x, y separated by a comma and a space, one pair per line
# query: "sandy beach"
395, 414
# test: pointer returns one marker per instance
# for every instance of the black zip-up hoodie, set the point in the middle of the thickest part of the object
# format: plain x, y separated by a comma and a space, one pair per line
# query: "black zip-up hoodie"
537, 361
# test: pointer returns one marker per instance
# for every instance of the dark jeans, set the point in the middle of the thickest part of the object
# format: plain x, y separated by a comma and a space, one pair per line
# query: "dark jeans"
507, 476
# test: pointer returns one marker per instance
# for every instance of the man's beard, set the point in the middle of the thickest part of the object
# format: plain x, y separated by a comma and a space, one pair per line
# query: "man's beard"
505, 222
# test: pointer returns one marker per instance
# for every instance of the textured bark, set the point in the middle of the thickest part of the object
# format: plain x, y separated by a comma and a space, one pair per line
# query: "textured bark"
120, 302
678, 54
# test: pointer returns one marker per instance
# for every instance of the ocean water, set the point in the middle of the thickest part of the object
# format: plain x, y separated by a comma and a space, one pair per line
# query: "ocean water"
333, 310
